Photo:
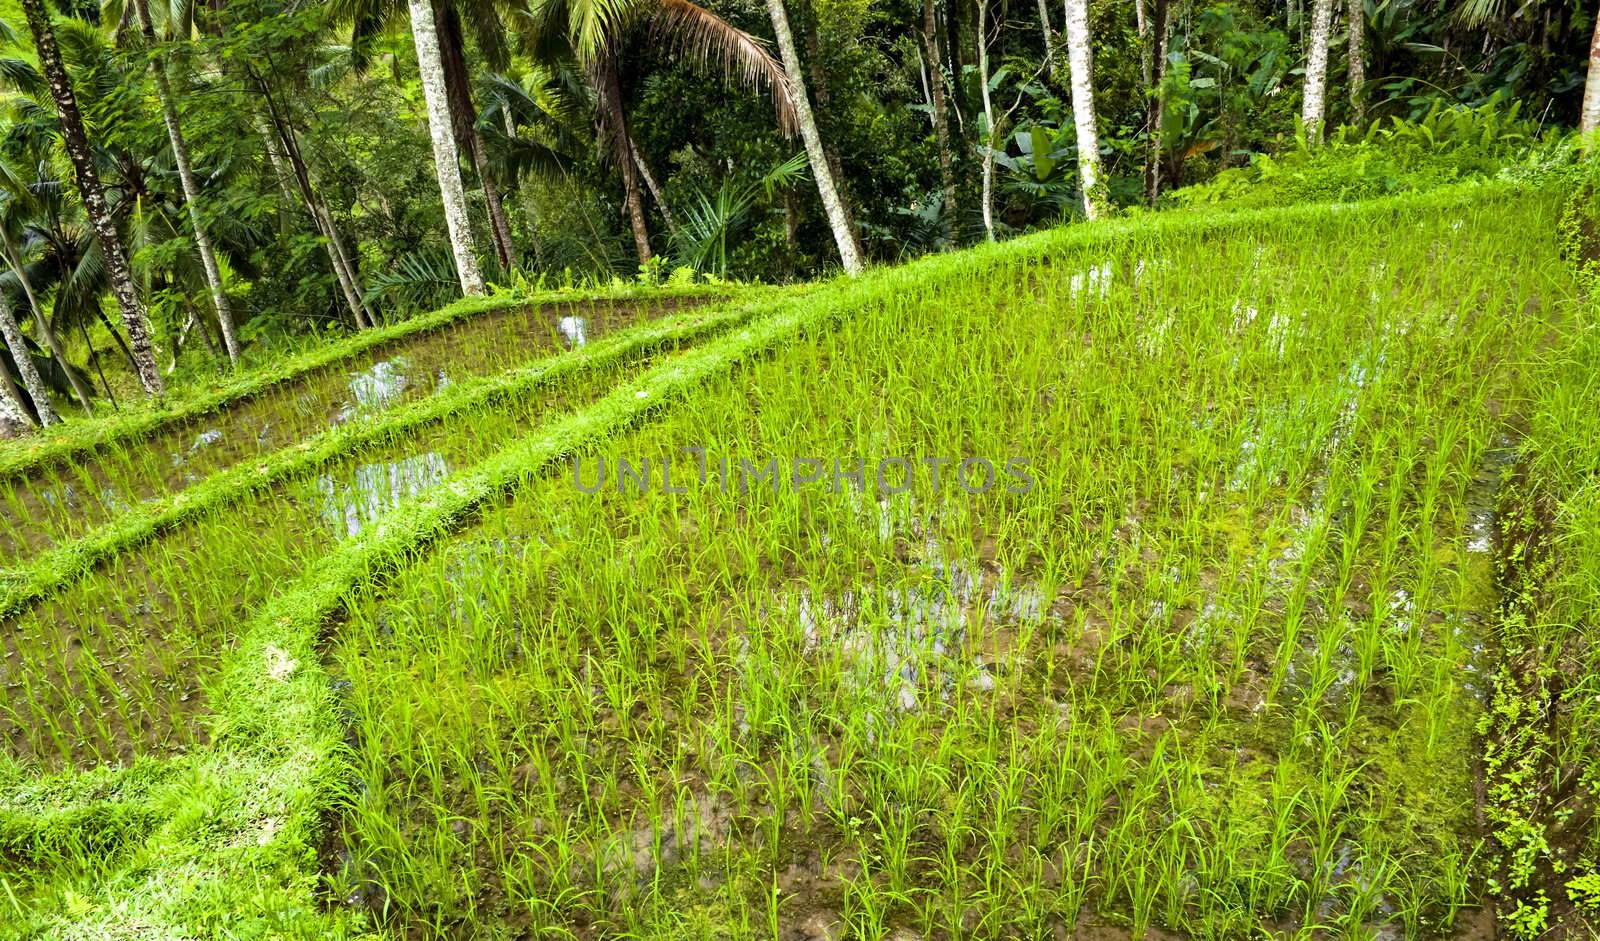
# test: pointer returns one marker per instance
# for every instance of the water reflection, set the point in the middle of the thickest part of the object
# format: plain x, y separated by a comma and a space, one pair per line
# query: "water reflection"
349, 506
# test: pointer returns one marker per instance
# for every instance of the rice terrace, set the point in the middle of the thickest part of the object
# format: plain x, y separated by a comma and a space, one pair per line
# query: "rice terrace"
799, 470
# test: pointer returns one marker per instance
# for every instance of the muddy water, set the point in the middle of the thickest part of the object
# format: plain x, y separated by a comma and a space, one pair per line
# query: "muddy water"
63, 503
117, 666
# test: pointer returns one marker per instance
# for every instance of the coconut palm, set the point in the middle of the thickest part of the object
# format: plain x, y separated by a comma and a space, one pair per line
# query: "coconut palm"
1079, 63
1313, 110
838, 216
191, 190
1589, 117
592, 32
76, 141
424, 33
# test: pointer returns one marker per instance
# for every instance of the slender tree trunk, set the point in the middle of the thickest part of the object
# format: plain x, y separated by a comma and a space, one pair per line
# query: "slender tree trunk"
1589, 119
42, 323
321, 220
988, 120
838, 216
446, 162
464, 115
822, 93
13, 410
191, 190
94, 201
941, 113
654, 188
955, 47
1079, 61
37, 390
614, 126
1314, 109
1049, 40
1356, 13
1157, 44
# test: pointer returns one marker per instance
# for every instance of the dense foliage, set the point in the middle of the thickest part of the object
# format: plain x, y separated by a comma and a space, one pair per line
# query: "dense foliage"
596, 141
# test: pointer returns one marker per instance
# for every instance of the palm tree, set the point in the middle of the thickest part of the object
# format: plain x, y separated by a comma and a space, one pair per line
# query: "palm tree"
1589, 117
838, 216
1313, 110
76, 140
191, 190
37, 391
21, 200
1356, 14
1080, 64
591, 31
445, 160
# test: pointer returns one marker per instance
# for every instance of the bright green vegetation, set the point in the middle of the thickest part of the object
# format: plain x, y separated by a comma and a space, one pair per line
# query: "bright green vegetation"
118, 662
44, 499
1287, 635
54, 568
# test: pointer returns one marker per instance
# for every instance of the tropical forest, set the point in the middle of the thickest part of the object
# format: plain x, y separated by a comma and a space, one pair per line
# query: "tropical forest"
799, 470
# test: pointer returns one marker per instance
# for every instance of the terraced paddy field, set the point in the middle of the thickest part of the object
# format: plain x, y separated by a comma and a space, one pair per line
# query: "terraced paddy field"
1206, 577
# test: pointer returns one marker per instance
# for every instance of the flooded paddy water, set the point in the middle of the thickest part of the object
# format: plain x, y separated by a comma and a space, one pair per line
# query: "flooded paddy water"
1215, 674
60, 503
117, 665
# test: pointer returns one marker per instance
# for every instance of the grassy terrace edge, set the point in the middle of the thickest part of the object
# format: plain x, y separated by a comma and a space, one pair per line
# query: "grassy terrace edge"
75, 438
233, 849
56, 568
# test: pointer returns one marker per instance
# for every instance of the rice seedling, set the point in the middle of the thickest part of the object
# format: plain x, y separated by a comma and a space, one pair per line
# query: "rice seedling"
1205, 675
116, 665
1182, 577
58, 501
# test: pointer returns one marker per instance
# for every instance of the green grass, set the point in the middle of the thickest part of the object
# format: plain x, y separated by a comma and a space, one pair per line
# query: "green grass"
1288, 638
63, 502
52, 569
75, 439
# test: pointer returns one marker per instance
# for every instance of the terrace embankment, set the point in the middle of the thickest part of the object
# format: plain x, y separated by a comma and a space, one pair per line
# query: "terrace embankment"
60, 502
117, 665
1212, 672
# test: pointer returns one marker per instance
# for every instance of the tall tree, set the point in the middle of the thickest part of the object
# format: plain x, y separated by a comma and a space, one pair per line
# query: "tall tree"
37, 390
464, 120
446, 161
1313, 111
941, 112
191, 190
76, 140
1589, 119
1356, 13
1155, 75
1080, 62
838, 216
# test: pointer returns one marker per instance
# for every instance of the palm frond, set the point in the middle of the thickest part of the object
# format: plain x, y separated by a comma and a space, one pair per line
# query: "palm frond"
20, 75
709, 40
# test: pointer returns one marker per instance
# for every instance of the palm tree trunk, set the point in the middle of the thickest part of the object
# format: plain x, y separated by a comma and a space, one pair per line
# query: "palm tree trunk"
1356, 13
13, 410
654, 188
1049, 41
1156, 76
1589, 118
832, 205
321, 219
464, 118
822, 92
191, 191
614, 127
446, 162
42, 323
1079, 61
1313, 111
988, 117
941, 112
94, 201
37, 391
